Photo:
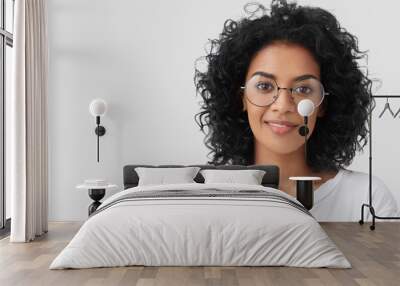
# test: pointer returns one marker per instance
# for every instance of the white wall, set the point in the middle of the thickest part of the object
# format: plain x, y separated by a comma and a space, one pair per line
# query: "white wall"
139, 56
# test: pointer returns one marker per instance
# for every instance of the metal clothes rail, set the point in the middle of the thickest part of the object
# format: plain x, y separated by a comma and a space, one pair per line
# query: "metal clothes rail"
369, 205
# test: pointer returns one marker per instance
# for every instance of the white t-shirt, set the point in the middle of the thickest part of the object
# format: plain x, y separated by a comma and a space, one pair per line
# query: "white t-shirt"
340, 198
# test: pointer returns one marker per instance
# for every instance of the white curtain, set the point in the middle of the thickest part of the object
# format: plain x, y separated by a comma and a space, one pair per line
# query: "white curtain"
27, 122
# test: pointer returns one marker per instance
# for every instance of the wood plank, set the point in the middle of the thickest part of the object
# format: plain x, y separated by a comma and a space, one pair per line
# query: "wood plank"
374, 255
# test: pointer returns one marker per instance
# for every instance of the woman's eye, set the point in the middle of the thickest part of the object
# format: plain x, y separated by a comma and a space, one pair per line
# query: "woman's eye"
265, 86
303, 89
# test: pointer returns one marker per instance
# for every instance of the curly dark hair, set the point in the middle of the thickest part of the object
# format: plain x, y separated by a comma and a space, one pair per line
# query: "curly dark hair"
337, 135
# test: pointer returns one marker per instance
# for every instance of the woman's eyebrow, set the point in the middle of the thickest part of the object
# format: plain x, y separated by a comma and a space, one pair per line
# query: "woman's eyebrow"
270, 75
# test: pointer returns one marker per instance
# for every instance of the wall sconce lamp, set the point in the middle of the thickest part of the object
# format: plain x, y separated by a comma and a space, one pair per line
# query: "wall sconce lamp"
97, 108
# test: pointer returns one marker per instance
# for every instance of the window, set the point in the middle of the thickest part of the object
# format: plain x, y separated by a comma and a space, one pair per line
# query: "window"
6, 44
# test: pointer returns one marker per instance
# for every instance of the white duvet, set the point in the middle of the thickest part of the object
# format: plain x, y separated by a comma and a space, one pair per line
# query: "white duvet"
200, 231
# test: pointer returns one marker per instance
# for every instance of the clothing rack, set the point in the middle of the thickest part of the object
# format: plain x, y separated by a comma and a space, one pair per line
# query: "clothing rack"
369, 205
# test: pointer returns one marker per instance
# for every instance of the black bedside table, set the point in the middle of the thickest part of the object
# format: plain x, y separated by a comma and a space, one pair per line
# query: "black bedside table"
304, 190
96, 193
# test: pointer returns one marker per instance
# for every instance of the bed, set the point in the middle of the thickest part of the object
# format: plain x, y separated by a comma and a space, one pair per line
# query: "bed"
201, 224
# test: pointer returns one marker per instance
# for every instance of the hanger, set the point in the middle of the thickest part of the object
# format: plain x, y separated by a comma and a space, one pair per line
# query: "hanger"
387, 106
397, 112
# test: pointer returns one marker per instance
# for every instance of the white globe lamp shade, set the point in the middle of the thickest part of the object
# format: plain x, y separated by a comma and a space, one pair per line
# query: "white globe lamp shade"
305, 107
98, 107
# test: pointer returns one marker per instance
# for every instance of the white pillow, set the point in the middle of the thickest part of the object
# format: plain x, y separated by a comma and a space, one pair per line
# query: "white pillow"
161, 176
250, 176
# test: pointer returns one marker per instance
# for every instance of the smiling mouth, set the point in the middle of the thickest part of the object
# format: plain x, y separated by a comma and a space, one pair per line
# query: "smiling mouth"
280, 129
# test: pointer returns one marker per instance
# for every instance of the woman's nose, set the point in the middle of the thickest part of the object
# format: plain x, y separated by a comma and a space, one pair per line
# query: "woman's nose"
284, 102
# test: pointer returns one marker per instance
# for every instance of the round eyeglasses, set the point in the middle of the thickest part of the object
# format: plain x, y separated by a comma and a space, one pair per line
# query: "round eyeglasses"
263, 91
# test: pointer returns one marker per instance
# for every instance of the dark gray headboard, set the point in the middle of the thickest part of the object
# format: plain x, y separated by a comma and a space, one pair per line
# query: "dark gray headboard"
270, 179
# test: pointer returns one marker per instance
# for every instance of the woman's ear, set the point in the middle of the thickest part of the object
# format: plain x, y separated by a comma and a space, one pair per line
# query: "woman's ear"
244, 103
321, 111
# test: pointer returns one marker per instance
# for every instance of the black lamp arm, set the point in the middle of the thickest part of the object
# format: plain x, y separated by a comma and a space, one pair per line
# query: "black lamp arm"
100, 131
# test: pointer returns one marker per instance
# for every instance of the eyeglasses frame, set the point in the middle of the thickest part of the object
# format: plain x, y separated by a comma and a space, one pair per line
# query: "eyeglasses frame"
287, 88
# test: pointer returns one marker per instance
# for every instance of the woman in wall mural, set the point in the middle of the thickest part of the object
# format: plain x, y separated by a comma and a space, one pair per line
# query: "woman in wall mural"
258, 70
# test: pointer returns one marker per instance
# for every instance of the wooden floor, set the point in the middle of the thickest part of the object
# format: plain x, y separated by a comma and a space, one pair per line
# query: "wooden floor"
374, 255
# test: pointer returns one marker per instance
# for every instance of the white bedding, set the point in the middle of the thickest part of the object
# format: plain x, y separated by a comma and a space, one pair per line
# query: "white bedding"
227, 231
